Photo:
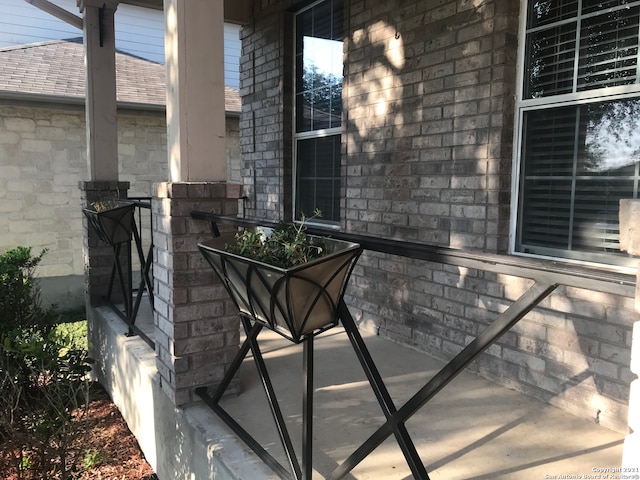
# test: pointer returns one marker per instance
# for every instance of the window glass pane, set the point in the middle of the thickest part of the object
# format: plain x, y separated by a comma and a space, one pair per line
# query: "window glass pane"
609, 139
579, 161
595, 222
318, 109
550, 60
304, 25
319, 67
327, 106
609, 49
591, 6
304, 112
306, 158
549, 142
318, 177
544, 12
546, 213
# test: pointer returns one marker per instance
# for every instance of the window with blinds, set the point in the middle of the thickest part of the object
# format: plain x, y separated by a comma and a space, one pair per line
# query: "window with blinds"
568, 52
318, 110
580, 128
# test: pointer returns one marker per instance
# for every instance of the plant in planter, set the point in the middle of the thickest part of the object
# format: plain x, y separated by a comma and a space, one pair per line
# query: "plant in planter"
286, 246
284, 278
112, 219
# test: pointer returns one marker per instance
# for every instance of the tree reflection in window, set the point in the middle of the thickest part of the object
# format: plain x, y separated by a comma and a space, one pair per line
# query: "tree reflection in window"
612, 137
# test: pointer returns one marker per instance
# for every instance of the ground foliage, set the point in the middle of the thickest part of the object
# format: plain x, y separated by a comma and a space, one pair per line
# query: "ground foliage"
105, 449
50, 426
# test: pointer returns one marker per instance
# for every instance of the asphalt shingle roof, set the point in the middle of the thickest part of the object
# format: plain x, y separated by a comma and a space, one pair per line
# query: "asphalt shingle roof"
56, 69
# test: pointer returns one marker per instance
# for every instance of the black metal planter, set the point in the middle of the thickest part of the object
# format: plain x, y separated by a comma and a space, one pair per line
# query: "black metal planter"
113, 226
294, 302
298, 303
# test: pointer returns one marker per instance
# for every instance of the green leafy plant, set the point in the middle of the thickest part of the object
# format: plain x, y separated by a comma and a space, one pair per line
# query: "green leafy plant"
107, 200
92, 458
73, 332
103, 205
286, 246
25, 463
19, 292
43, 375
44, 387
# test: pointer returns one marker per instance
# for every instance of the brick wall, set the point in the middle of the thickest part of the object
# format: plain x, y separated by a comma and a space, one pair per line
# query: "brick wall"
265, 124
234, 168
427, 152
429, 100
572, 351
42, 159
196, 324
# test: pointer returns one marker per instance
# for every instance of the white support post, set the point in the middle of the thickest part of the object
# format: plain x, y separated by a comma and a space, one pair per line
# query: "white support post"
630, 243
101, 109
197, 333
194, 50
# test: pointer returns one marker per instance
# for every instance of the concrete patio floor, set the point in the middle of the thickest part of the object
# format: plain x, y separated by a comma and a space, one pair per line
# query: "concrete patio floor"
473, 429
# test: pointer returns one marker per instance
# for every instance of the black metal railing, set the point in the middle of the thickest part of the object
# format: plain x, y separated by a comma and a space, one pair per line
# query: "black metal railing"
547, 276
132, 265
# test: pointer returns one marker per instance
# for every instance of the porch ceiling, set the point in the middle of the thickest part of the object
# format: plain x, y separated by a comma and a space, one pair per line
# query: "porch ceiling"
235, 11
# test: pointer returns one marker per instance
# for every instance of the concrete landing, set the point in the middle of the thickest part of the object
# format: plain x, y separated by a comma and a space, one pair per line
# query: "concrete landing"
473, 429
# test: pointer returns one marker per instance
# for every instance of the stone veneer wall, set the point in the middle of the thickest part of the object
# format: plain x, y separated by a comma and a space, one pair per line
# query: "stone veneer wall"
42, 160
428, 119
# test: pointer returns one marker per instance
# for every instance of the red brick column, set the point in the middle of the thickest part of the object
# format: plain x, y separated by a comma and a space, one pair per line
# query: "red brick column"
196, 325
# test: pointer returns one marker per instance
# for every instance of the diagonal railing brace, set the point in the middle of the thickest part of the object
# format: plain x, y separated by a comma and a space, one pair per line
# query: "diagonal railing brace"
395, 424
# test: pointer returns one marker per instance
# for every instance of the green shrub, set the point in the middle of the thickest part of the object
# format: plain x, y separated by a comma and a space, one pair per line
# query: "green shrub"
74, 332
43, 374
43, 381
19, 292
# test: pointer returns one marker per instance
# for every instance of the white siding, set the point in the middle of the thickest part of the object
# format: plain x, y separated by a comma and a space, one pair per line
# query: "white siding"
232, 48
21, 23
139, 31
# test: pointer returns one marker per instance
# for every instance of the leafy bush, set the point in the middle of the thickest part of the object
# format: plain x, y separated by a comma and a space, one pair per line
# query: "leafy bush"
43, 382
73, 332
20, 296
43, 375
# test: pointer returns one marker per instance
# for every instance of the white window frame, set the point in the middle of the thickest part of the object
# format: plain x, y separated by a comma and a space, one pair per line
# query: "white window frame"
524, 105
314, 134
